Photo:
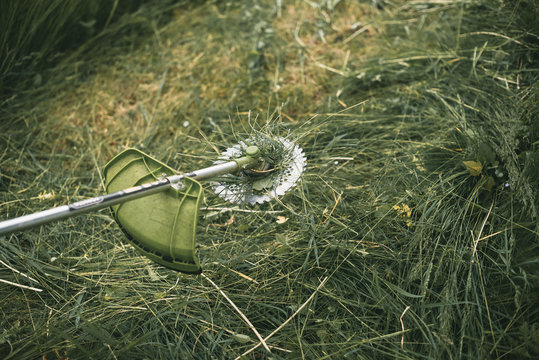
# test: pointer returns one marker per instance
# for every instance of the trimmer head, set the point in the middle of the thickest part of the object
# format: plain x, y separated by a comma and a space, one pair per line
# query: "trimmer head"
162, 226
284, 162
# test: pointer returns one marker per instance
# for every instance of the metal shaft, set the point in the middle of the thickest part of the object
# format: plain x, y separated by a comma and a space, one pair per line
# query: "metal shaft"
100, 202
61, 212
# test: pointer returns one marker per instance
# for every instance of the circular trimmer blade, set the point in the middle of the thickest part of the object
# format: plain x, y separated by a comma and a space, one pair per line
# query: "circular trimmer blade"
286, 164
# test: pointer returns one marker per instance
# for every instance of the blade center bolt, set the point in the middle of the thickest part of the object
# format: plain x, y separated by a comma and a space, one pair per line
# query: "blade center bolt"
252, 151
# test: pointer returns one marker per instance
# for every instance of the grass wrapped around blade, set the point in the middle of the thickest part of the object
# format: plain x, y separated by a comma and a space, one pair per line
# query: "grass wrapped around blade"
281, 169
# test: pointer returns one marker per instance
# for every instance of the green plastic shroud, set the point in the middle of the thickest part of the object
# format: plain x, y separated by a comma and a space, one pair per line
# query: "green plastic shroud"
162, 226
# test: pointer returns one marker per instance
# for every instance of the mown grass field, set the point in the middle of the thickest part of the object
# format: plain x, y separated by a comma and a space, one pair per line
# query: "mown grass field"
413, 233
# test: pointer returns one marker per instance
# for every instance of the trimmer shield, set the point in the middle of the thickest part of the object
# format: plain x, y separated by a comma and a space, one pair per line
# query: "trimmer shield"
161, 226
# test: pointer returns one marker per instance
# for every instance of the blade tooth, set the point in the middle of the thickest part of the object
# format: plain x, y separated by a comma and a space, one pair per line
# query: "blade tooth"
261, 200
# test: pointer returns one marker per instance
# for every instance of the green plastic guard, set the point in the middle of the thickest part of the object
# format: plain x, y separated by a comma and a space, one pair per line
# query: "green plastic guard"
162, 226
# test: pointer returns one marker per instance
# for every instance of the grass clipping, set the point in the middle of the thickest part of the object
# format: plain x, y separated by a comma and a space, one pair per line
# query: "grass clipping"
413, 233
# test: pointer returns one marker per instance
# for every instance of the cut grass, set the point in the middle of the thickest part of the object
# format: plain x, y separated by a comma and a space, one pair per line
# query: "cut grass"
412, 235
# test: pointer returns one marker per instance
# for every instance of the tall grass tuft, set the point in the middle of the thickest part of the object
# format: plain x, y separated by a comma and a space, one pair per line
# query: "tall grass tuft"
37, 35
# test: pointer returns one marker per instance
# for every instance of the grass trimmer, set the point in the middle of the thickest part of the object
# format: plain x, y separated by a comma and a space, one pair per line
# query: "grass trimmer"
157, 208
